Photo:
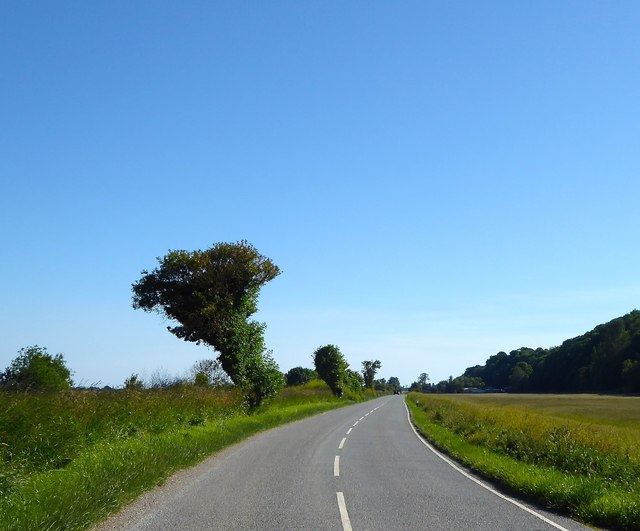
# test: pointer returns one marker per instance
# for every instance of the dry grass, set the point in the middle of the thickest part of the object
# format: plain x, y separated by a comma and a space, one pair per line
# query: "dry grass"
610, 423
597, 409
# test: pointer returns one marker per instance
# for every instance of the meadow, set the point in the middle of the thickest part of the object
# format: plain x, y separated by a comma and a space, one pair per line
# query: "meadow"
71, 458
579, 454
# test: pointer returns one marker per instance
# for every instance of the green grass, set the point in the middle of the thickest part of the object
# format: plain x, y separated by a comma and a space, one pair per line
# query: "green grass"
575, 454
69, 460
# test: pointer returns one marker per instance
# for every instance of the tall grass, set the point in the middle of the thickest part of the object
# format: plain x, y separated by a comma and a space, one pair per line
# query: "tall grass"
41, 432
590, 470
70, 459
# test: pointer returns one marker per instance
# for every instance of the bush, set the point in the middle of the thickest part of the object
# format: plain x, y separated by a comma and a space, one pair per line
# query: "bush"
300, 376
353, 382
261, 378
36, 370
134, 383
213, 372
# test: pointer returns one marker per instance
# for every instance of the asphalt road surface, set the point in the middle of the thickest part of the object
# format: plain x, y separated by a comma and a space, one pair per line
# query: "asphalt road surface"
357, 468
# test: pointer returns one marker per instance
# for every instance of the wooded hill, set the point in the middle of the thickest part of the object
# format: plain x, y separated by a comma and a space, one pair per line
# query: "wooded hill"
606, 359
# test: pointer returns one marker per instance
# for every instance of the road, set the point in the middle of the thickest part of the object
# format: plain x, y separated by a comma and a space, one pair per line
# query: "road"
357, 468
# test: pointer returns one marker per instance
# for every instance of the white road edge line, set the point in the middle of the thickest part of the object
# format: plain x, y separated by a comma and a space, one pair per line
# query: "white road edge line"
344, 439
349, 431
344, 515
336, 467
483, 485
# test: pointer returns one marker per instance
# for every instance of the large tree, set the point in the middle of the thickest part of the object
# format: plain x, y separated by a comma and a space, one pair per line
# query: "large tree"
212, 294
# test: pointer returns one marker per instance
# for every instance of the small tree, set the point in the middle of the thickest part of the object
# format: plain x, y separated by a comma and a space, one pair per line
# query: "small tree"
422, 385
369, 369
353, 382
331, 366
263, 378
36, 370
134, 383
300, 376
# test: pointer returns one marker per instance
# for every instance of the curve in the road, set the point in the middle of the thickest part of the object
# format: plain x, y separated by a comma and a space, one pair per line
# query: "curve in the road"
361, 467
476, 480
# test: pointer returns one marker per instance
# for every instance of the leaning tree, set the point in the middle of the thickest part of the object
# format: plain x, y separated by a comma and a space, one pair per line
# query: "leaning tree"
211, 294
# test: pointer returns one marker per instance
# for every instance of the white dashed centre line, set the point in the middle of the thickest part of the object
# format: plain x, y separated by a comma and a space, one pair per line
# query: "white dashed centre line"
344, 515
349, 431
355, 423
344, 439
336, 467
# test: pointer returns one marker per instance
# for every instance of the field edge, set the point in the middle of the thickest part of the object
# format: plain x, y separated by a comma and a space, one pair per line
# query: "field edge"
583, 499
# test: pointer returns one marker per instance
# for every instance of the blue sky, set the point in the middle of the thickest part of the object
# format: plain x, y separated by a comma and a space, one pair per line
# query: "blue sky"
438, 181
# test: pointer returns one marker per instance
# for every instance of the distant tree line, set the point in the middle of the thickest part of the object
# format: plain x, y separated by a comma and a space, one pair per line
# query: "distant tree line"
334, 370
604, 360
331, 367
392, 385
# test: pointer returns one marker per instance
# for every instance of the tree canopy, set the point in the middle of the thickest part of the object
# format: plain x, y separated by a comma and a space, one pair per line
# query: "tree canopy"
394, 382
605, 359
211, 294
369, 369
36, 370
331, 367
300, 376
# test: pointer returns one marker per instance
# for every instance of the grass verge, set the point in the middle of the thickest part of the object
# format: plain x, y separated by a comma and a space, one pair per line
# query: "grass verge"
550, 461
110, 473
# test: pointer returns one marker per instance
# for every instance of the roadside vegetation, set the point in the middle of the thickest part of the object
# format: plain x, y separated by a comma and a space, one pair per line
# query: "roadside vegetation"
577, 454
70, 458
